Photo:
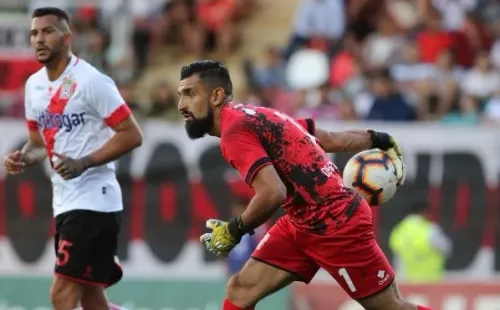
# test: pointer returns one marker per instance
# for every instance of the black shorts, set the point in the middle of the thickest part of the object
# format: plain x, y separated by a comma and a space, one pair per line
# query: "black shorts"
86, 243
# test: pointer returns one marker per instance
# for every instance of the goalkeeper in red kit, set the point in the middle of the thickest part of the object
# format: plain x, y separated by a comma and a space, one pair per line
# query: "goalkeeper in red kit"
284, 160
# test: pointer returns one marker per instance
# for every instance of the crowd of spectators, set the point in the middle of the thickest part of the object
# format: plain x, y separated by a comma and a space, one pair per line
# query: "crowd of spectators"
119, 37
392, 60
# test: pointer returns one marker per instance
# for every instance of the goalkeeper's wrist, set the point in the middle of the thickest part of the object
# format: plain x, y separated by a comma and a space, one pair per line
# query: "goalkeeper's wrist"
380, 140
237, 229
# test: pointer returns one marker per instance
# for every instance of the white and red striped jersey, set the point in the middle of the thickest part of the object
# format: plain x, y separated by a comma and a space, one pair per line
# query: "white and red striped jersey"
74, 114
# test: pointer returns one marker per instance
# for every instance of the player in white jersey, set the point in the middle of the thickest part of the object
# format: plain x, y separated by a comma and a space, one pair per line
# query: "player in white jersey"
78, 119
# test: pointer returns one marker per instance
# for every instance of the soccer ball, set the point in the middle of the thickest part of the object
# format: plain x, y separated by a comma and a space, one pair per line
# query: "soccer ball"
373, 175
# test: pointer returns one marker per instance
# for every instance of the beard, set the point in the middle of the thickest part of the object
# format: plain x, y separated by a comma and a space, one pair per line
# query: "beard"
198, 127
49, 57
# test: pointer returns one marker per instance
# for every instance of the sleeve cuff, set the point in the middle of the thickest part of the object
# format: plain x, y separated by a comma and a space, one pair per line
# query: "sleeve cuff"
118, 115
311, 127
32, 125
256, 166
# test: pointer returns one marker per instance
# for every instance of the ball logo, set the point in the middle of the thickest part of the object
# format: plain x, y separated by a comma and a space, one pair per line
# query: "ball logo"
66, 121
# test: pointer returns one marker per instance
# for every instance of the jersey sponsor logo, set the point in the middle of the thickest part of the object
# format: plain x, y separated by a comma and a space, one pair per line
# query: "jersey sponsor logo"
66, 121
383, 276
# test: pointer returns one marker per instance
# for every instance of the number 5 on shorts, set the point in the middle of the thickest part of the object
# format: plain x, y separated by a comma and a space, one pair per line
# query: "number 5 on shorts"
343, 273
63, 253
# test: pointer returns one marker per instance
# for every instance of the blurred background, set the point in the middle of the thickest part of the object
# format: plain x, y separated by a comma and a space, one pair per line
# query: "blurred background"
427, 71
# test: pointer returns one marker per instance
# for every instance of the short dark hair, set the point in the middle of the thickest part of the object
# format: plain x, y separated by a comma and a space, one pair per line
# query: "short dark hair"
45, 11
212, 72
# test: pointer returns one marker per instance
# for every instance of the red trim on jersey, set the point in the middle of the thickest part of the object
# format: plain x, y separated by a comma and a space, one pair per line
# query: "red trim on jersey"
32, 125
118, 115
56, 106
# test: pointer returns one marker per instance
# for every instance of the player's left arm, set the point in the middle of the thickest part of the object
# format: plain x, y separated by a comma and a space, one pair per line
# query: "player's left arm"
107, 102
115, 112
350, 140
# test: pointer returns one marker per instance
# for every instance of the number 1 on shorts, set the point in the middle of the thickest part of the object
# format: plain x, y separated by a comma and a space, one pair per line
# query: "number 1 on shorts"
343, 273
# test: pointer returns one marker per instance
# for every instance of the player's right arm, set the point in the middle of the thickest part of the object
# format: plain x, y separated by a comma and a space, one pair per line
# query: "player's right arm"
33, 152
344, 141
245, 153
357, 141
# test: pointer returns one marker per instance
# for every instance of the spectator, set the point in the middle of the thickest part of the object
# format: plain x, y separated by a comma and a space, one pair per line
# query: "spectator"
216, 27
495, 50
178, 25
454, 12
466, 114
363, 15
472, 39
432, 40
492, 109
164, 105
342, 66
409, 72
442, 89
413, 77
357, 84
273, 72
388, 104
126, 89
318, 23
407, 14
325, 103
481, 81
381, 46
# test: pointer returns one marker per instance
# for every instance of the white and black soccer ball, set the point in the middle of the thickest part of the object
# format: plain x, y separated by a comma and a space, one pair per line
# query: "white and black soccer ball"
373, 175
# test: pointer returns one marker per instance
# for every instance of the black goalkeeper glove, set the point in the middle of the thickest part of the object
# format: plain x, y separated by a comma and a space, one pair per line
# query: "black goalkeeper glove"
390, 146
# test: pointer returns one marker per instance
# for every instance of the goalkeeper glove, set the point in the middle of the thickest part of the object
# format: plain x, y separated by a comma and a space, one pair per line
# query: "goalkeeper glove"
224, 236
390, 146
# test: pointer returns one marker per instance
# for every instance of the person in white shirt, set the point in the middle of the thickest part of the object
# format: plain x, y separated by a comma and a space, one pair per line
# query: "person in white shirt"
77, 118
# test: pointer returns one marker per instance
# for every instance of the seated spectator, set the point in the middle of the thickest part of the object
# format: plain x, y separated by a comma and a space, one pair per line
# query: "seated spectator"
325, 103
244, 9
492, 109
381, 46
495, 50
363, 16
454, 12
356, 84
481, 81
410, 70
442, 89
216, 28
318, 24
343, 63
164, 105
470, 40
407, 14
178, 25
466, 114
126, 89
432, 40
273, 71
413, 77
388, 104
